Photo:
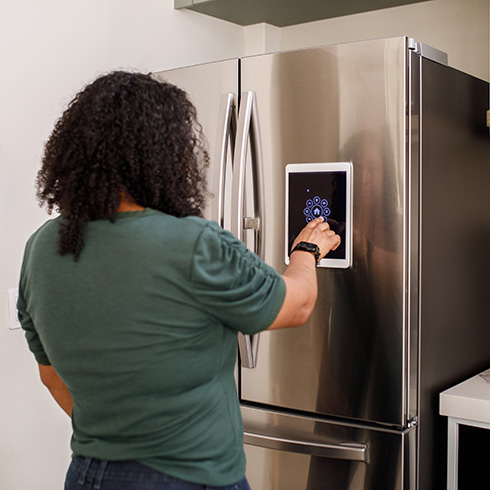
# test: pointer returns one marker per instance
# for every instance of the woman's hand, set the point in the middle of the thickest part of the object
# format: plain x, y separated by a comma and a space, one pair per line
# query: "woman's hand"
300, 276
318, 231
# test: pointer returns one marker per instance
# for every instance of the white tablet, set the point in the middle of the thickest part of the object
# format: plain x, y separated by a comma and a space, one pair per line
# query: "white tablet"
321, 189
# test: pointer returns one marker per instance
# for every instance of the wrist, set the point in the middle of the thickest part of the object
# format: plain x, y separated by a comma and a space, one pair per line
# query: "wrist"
312, 248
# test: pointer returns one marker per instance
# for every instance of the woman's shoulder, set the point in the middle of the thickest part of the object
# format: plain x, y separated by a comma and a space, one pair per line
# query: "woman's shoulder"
188, 229
47, 229
211, 230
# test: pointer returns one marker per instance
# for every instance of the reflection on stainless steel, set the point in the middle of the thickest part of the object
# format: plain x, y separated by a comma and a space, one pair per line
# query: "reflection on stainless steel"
308, 453
354, 341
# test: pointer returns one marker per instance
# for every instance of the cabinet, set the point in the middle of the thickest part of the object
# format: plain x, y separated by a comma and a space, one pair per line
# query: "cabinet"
283, 13
466, 404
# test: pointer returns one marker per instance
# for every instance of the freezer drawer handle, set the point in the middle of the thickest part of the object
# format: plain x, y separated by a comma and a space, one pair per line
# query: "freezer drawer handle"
248, 134
349, 451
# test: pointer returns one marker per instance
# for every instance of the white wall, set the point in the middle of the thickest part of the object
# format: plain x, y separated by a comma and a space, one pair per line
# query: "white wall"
457, 27
48, 51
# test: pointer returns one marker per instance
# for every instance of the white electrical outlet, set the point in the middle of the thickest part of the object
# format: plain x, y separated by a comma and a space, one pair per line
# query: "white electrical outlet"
14, 323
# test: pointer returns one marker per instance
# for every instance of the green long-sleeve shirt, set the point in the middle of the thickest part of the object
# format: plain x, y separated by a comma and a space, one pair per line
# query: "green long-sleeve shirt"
142, 330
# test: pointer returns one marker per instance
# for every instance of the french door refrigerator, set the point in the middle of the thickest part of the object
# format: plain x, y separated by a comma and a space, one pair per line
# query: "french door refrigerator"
350, 400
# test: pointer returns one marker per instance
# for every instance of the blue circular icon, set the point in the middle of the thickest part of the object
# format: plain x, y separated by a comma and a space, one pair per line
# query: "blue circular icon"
315, 208
316, 211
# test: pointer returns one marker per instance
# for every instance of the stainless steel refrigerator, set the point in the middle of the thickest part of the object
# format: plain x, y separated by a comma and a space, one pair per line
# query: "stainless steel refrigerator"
350, 400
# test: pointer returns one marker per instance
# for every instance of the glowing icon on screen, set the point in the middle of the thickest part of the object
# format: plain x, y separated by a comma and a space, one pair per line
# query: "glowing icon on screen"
315, 208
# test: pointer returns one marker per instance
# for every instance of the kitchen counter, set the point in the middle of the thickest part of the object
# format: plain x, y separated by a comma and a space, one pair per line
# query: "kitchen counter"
467, 403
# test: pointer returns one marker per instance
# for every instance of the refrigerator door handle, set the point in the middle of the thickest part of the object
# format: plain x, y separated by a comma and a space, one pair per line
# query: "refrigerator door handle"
226, 133
248, 132
248, 345
349, 451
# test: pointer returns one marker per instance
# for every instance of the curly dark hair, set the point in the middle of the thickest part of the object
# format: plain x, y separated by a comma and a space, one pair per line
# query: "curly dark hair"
125, 133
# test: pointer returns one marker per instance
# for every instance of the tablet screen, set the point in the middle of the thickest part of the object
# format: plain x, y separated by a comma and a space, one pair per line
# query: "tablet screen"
315, 190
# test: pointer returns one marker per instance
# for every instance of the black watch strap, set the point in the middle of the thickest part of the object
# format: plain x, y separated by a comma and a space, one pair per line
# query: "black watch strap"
308, 247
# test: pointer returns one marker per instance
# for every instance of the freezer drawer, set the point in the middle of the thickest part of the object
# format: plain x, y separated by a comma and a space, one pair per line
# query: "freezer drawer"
288, 452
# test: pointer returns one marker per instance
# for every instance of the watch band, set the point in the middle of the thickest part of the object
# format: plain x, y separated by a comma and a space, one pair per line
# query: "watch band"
308, 247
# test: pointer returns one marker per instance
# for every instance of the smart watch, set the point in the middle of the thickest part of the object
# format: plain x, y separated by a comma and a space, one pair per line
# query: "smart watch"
308, 247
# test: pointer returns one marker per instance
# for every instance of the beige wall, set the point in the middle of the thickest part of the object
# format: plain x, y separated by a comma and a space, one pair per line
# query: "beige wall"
48, 50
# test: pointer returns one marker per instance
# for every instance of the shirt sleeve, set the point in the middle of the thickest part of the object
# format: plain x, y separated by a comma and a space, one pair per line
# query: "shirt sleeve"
233, 284
32, 337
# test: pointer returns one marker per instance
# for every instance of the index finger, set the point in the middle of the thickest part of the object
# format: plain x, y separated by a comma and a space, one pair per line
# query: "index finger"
317, 221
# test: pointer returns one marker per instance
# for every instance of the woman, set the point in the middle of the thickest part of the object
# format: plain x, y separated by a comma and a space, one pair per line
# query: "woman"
131, 301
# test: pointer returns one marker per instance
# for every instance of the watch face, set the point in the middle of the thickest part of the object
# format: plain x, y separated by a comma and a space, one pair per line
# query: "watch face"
308, 247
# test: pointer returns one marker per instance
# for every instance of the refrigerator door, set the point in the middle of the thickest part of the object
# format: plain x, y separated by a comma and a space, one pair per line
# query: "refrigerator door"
296, 453
334, 104
455, 263
212, 88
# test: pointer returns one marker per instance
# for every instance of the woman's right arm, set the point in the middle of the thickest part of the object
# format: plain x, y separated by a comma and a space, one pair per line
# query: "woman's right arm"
56, 387
300, 275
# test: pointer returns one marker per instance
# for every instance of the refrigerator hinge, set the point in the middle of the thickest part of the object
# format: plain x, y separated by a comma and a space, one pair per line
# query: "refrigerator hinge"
428, 52
413, 422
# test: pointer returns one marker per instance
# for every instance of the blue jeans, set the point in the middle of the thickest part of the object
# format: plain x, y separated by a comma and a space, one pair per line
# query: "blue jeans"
94, 474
